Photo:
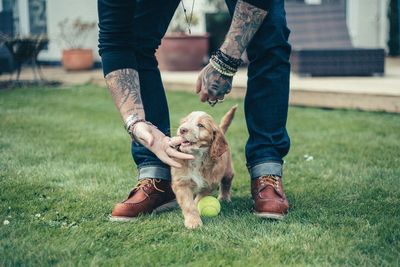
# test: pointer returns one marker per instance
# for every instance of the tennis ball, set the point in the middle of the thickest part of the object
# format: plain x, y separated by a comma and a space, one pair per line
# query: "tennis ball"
209, 206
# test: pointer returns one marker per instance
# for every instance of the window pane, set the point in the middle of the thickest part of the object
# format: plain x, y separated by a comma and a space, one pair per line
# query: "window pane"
37, 17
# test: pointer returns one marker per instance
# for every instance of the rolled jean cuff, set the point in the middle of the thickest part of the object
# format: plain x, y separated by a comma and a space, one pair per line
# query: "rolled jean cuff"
117, 60
157, 172
266, 168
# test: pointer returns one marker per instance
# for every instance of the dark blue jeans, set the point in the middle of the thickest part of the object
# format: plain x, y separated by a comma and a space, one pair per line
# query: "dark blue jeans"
131, 32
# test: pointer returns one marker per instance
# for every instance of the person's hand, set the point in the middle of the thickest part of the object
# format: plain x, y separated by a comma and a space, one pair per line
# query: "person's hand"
158, 143
212, 85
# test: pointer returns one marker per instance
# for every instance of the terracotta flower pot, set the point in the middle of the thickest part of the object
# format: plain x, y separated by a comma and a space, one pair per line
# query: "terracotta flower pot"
181, 52
77, 59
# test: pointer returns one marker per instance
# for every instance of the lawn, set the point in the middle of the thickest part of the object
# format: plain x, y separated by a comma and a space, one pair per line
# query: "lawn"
65, 161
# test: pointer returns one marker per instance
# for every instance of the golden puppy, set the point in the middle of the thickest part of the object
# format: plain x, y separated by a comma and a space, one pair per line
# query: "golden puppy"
212, 166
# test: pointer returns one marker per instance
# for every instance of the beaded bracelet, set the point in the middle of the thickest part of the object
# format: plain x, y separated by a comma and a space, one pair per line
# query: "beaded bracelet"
222, 64
220, 69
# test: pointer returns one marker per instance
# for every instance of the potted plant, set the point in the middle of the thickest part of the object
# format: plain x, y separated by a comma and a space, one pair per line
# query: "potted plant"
73, 35
180, 51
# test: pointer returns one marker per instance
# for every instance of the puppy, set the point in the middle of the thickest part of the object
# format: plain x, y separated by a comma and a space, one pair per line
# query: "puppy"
212, 166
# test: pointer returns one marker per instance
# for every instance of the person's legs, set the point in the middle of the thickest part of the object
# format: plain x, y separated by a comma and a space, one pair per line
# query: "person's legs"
130, 33
266, 106
151, 21
116, 42
267, 96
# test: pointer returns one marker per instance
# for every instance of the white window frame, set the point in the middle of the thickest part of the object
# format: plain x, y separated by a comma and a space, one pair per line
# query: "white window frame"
23, 8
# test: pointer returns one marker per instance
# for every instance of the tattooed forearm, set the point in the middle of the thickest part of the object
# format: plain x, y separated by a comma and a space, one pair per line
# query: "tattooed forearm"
124, 86
245, 22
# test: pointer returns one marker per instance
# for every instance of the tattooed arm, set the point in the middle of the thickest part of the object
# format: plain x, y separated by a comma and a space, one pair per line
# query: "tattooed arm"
245, 22
124, 87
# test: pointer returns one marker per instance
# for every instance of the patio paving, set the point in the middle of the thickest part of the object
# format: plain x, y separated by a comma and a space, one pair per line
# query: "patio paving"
364, 93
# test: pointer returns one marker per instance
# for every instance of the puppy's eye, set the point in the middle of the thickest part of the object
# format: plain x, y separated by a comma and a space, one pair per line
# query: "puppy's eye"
200, 125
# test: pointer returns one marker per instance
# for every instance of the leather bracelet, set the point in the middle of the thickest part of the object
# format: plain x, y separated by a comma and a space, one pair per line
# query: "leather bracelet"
228, 60
222, 64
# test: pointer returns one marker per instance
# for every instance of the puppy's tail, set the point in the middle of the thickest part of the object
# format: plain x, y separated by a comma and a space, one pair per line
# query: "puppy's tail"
227, 119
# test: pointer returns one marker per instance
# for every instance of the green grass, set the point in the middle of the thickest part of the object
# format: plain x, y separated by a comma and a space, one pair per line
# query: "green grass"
64, 155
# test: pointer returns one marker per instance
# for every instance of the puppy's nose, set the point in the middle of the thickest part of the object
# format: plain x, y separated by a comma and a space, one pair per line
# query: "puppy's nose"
183, 130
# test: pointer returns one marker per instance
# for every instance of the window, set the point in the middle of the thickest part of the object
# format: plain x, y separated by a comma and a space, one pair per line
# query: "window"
11, 23
37, 17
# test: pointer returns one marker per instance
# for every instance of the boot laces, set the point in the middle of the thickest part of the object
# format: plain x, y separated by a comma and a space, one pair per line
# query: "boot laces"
146, 183
272, 180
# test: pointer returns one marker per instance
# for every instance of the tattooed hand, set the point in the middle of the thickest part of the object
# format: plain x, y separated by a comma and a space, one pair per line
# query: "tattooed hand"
212, 85
124, 86
162, 146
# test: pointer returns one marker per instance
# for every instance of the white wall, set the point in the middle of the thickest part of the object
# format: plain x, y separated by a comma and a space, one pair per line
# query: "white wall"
23, 17
368, 23
58, 10
313, 2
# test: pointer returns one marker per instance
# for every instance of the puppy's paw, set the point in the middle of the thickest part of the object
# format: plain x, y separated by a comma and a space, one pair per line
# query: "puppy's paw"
193, 222
225, 197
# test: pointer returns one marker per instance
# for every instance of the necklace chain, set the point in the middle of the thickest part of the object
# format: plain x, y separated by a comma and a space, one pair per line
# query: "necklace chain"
188, 21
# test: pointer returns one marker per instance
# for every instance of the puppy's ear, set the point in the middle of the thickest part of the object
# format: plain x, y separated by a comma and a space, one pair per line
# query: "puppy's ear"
219, 145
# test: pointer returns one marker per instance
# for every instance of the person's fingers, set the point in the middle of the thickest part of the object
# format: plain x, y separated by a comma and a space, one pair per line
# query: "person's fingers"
198, 83
179, 155
212, 98
167, 160
203, 96
176, 140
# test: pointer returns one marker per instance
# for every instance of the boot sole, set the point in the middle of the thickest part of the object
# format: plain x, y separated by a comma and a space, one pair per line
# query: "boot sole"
269, 215
167, 206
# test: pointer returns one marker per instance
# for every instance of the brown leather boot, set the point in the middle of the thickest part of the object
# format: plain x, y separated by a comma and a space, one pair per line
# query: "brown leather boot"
269, 199
149, 195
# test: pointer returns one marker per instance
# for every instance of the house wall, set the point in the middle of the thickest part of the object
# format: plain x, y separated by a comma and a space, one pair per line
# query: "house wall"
23, 17
57, 11
368, 23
